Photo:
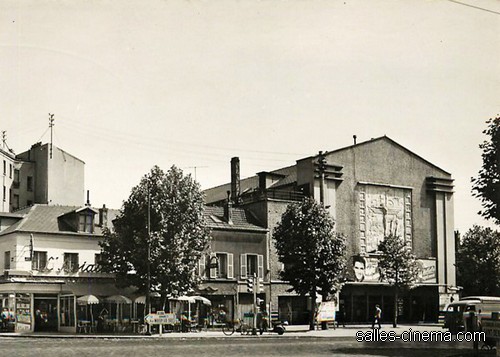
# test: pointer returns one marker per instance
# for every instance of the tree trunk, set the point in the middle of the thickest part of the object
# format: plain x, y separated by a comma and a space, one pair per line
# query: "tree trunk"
313, 310
395, 320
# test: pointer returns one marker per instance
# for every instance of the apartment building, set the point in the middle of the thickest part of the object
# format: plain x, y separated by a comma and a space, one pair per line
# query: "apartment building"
49, 257
239, 250
43, 174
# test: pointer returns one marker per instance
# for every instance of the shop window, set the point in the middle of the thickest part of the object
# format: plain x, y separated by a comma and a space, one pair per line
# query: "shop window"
70, 262
39, 261
6, 260
67, 311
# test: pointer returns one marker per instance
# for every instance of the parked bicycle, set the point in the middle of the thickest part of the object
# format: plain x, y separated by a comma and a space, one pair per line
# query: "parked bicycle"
231, 327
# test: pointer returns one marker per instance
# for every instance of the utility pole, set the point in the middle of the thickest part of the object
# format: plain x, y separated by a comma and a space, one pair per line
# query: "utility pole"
51, 125
255, 288
148, 292
322, 169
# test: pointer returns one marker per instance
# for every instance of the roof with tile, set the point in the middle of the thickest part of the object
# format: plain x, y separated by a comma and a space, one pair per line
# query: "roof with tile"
241, 219
41, 218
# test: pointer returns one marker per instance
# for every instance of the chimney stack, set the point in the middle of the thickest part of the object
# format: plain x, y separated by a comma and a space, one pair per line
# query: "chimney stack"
228, 213
235, 179
88, 199
103, 216
354, 137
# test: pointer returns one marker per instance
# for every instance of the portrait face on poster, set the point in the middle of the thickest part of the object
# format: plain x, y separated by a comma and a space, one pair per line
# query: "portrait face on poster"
359, 268
364, 269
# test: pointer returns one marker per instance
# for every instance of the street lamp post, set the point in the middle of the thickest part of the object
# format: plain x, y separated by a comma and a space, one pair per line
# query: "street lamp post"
148, 291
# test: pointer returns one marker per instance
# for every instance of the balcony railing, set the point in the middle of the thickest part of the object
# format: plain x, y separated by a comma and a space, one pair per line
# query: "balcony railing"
272, 194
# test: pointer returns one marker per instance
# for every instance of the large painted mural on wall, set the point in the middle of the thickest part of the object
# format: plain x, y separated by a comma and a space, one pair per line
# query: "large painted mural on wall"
383, 210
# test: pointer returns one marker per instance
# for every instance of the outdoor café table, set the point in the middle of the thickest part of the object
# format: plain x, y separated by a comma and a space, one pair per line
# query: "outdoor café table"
112, 325
84, 326
135, 326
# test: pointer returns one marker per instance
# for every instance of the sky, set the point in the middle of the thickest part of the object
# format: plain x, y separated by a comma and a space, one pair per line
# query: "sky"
134, 84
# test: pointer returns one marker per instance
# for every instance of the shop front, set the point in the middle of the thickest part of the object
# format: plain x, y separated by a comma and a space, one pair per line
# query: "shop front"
357, 303
56, 307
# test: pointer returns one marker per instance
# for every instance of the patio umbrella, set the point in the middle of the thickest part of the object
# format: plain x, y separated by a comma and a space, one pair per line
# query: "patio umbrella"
204, 300
88, 300
190, 300
118, 300
142, 299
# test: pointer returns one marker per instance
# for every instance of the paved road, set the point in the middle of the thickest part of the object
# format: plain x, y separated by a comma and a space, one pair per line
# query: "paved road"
242, 346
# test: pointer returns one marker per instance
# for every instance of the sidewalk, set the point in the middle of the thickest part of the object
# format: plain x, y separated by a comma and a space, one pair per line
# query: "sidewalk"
291, 331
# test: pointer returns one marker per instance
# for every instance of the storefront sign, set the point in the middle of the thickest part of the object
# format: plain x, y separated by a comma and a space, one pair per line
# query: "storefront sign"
365, 269
160, 318
326, 311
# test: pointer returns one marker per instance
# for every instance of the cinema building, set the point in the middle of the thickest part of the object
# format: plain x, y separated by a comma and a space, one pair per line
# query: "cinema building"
371, 188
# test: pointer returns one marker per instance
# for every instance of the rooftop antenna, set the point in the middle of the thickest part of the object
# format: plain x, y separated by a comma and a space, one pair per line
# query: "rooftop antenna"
196, 167
51, 125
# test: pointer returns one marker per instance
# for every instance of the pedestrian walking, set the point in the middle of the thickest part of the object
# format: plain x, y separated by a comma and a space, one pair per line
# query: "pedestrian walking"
377, 316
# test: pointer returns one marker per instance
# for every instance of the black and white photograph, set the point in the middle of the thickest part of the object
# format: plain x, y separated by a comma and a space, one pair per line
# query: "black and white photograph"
250, 177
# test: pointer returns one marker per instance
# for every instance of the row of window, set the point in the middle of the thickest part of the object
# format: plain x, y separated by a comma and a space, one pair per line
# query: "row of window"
29, 186
15, 202
221, 265
40, 261
16, 175
5, 169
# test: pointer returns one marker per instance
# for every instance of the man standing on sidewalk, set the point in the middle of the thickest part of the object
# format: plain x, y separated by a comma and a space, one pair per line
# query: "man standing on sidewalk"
377, 316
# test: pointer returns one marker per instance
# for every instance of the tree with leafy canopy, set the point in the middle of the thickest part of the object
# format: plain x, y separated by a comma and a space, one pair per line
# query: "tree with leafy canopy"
312, 253
398, 266
478, 262
177, 239
486, 186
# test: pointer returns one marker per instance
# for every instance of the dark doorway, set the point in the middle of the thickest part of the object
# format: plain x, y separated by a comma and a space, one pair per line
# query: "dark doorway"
45, 308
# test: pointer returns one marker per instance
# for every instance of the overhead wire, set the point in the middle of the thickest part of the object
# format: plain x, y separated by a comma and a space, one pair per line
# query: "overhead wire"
118, 132
475, 7
156, 143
